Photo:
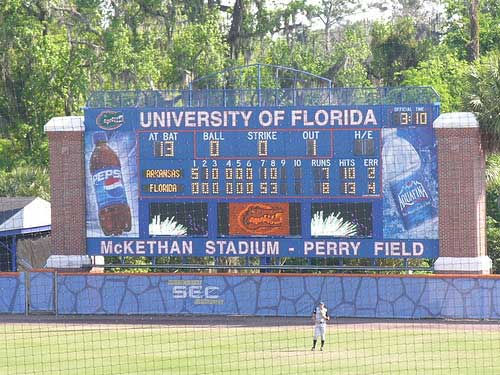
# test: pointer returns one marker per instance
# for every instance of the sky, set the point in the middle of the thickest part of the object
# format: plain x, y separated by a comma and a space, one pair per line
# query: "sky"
367, 10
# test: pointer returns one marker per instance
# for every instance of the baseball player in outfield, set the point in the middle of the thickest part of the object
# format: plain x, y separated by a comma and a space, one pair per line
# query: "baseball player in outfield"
319, 316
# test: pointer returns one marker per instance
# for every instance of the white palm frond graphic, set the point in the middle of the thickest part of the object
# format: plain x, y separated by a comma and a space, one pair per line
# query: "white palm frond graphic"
332, 225
167, 227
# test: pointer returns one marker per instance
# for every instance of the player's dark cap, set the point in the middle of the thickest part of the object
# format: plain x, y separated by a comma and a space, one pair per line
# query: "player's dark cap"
322, 303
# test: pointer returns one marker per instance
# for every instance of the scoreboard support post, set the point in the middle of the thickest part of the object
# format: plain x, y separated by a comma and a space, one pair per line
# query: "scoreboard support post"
67, 188
462, 202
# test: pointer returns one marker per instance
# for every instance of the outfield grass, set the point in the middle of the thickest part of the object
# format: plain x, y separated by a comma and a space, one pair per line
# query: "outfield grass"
162, 349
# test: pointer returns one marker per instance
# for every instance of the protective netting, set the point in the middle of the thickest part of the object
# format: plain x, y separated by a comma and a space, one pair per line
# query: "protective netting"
208, 324
256, 219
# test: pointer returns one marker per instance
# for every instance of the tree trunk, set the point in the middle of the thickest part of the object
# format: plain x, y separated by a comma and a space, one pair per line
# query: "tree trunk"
235, 32
474, 31
327, 38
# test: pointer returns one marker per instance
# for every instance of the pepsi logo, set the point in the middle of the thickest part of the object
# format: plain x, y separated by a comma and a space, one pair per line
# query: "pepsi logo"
113, 186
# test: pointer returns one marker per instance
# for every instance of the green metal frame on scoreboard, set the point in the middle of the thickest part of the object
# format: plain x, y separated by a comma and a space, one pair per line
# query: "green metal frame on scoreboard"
209, 152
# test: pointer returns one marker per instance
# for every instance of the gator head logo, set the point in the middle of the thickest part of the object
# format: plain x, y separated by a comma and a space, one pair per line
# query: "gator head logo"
259, 218
110, 120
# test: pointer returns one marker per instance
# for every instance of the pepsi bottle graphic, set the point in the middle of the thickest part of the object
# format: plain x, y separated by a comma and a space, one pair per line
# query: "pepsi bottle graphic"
402, 170
105, 169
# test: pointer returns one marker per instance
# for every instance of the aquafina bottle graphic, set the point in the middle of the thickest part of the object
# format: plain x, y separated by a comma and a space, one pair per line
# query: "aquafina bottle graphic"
402, 171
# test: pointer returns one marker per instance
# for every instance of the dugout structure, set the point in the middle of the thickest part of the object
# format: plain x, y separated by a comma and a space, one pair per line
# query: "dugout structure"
24, 233
223, 170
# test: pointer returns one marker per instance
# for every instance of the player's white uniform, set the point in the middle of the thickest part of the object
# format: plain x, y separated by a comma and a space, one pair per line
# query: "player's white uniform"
320, 316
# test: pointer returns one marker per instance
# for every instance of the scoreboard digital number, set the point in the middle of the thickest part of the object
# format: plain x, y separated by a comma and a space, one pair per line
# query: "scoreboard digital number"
406, 116
285, 182
280, 163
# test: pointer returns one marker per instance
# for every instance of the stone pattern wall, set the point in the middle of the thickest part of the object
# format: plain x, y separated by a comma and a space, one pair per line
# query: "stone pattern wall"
41, 292
12, 293
415, 297
270, 295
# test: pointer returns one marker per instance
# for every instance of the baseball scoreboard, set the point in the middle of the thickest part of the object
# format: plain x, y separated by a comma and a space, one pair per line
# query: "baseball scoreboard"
326, 181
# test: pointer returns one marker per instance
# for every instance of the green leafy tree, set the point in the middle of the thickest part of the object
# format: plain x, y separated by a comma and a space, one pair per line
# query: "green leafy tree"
457, 33
25, 181
447, 74
41, 77
331, 13
19, 90
493, 213
485, 96
348, 61
197, 49
493, 170
485, 104
298, 56
345, 65
397, 46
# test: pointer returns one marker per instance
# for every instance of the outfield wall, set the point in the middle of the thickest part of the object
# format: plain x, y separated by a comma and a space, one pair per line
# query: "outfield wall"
12, 293
435, 296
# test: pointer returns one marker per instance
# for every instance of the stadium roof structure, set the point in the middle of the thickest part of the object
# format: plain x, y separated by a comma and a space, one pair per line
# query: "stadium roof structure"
21, 216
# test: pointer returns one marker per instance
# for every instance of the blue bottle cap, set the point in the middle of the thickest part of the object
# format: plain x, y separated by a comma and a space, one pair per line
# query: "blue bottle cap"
99, 137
